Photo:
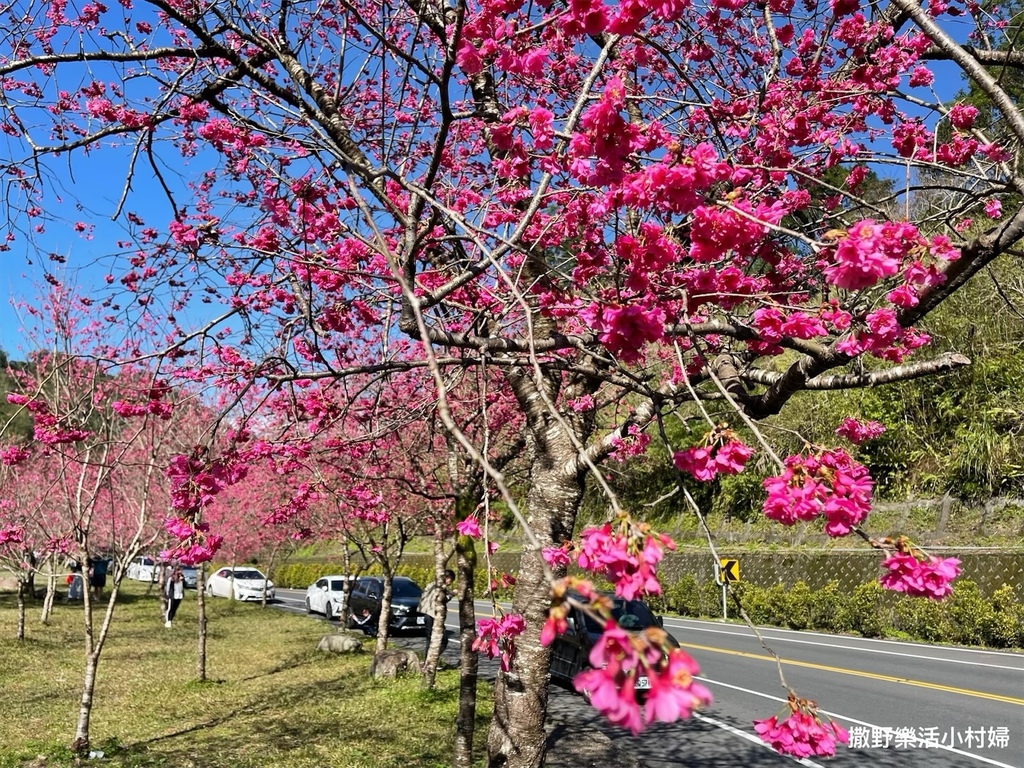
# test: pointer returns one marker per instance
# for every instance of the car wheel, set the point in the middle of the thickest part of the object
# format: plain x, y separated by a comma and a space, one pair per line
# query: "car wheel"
309, 608
329, 612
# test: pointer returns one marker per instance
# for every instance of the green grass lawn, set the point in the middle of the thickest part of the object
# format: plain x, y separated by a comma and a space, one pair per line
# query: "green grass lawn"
272, 700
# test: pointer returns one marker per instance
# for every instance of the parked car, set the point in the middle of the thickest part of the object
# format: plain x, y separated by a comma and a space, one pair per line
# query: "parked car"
239, 584
327, 596
190, 575
144, 568
570, 652
405, 598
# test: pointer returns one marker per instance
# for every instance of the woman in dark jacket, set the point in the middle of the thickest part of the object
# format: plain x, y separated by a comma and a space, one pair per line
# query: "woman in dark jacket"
174, 589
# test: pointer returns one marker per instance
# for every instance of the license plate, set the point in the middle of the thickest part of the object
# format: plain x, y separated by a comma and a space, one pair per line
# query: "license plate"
643, 684
420, 620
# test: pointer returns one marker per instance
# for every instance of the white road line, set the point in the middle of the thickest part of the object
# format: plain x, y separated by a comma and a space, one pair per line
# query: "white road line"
838, 716
748, 736
739, 629
850, 648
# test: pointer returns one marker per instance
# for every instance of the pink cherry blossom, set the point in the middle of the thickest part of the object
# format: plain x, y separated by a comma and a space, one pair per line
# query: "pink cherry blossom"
556, 557
801, 735
628, 558
962, 116
857, 431
618, 658
469, 527
496, 638
827, 483
931, 577
13, 454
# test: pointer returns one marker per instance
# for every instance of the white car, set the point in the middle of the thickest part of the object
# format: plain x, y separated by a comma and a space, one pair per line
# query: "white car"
143, 568
326, 595
239, 584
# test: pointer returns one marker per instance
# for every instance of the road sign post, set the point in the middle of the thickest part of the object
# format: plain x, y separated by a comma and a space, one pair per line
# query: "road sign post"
727, 571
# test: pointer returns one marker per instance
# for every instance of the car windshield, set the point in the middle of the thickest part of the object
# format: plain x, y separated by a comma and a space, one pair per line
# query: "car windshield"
405, 588
337, 585
629, 614
250, 575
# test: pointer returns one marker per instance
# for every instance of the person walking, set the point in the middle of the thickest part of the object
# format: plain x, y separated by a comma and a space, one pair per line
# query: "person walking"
174, 590
97, 576
432, 605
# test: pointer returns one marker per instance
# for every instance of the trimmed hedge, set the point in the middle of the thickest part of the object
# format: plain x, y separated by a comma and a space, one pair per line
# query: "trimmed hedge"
964, 618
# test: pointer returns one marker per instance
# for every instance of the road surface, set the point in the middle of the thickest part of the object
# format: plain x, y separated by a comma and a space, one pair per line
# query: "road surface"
907, 705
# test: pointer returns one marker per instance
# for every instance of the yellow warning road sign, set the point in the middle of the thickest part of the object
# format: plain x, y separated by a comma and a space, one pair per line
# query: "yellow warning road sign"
730, 570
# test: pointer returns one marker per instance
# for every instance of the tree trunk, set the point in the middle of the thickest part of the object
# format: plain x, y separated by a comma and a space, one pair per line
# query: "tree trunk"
270, 567
94, 643
517, 738
51, 593
346, 587
465, 720
81, 743
201, 615
20, 631
384, 620
440, 612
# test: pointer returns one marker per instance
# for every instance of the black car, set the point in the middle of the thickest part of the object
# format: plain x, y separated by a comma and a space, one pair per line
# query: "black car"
570, 652
405, 598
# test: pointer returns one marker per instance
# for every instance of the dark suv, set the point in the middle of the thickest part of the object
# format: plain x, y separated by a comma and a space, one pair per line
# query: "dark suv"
570, 652
405, 598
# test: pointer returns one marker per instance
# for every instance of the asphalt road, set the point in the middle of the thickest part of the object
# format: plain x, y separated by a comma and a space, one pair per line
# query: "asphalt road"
907, 705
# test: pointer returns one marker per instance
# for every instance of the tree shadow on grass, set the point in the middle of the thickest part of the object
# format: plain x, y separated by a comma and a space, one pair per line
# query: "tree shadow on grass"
298, 725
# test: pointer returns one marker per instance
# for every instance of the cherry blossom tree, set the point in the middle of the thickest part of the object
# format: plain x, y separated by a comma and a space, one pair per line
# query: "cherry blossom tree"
101, 438
616, 207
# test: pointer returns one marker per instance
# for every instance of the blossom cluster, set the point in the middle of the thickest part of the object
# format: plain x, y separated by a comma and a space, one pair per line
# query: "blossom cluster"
195, 483
11, 535
195, 542
48, 428
801, 734
927, 576
827, 483
721, 453
496, 638
857, 431
154, 404
619, 658
13, 454
626, 554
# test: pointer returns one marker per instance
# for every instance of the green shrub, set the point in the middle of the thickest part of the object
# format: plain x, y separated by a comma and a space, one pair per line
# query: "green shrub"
968, 614
830, 609
1005, 625
871, 610
920, 619
683, 596
797, 606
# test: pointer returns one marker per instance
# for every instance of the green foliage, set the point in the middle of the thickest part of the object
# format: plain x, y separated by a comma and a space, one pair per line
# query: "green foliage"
688, 597
965, 618
1004, 627
830, 609
739, 496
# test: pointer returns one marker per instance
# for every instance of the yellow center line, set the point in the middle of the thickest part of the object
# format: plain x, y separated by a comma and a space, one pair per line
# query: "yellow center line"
858, 673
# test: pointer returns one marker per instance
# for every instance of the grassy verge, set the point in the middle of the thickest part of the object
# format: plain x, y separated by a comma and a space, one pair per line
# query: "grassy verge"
272, 700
